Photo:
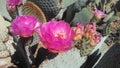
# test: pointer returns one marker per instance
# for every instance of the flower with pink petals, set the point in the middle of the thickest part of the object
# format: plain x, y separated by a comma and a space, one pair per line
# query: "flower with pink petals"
95, 39
56, 36
90, 29
11, 4
98, 14
78, 31
24, 25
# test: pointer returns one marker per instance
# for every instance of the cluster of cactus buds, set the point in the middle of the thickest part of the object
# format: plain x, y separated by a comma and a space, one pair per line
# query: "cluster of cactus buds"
87, 37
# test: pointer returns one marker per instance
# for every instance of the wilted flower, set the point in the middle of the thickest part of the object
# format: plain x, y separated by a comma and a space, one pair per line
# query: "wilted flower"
11, 4
95, 39
78, 32
98, 14
90, 28
56, 36
24, 25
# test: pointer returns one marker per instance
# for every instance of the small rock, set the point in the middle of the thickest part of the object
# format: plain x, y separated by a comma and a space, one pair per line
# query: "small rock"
3, 36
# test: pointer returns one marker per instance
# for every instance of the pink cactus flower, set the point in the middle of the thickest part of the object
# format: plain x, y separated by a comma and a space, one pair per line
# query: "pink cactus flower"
90, 29
78, 32
95, 39
11, 4
56, 36
24, 25
98, 14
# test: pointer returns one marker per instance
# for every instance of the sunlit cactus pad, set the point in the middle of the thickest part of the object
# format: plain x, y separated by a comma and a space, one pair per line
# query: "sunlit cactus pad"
70, 59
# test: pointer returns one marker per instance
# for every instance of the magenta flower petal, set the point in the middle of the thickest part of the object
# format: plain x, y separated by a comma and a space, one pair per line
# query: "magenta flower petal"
11, 4
56, 36
24, 25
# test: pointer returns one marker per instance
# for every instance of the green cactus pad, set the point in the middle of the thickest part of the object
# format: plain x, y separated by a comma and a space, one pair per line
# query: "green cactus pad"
84, 47
84, 16
86, 50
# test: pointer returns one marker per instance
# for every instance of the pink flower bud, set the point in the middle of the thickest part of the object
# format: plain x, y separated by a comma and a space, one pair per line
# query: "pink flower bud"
90, 29
95, 39
98, 14
78, 32
24, 25
11, 4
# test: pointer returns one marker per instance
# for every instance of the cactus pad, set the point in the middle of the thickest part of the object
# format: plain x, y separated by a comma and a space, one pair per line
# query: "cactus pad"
49, 7
69, 59
84, 47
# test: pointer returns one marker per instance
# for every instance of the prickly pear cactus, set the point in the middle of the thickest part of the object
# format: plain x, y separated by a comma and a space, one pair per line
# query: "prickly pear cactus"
49, 7
86, 50
113, 27
113, 30
84, 16
65, 3
84, 47
70, 59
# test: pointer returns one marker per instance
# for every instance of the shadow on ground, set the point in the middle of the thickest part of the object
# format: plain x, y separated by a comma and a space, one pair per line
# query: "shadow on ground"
111, 59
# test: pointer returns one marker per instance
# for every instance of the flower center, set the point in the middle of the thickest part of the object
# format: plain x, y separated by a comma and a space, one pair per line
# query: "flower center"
60, 34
